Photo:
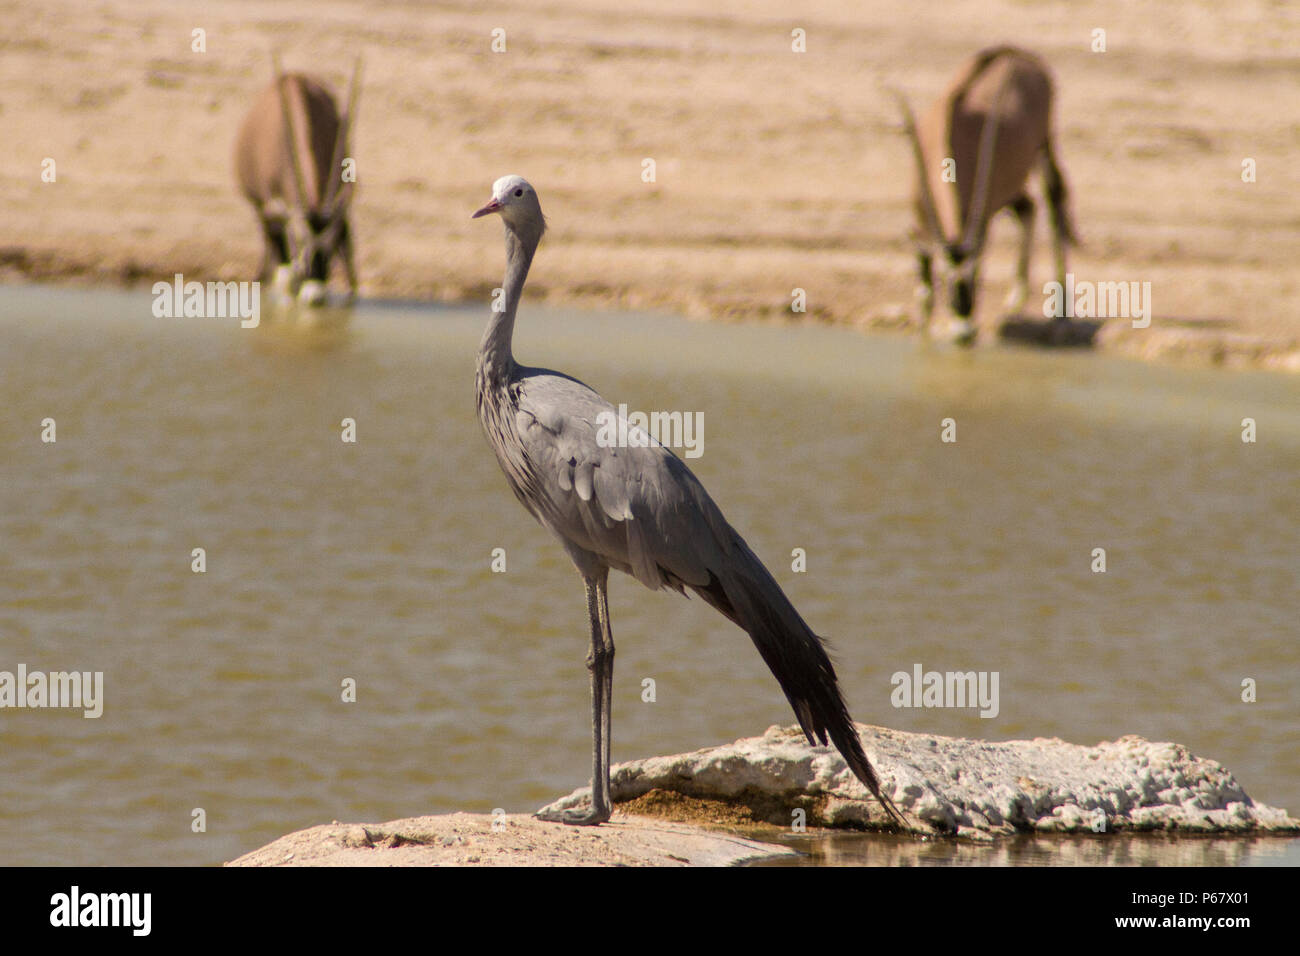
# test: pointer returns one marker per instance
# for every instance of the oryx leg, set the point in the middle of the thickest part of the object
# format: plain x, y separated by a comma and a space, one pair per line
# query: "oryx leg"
965, 331
1023, 207
275, 246
1057, 209
925, 291
345, 251
277, 270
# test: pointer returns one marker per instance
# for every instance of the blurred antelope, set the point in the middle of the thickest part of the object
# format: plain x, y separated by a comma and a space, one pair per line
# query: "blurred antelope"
288, 159
995, 124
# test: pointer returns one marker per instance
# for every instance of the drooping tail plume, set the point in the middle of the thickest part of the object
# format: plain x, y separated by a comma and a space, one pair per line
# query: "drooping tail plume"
747, 594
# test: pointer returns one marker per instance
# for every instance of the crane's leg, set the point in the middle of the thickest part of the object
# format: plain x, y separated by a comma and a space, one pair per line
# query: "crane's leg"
600, 662
602, 804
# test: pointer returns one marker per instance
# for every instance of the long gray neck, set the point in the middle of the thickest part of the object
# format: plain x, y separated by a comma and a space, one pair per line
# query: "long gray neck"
495, 358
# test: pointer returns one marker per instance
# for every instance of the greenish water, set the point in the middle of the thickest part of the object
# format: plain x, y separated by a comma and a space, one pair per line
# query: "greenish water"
371, 561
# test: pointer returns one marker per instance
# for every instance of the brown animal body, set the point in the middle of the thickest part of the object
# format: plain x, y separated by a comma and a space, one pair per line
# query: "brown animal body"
994, 123
288, 163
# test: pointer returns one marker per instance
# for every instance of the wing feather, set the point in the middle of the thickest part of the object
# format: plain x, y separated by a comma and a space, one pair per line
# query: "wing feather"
635, 506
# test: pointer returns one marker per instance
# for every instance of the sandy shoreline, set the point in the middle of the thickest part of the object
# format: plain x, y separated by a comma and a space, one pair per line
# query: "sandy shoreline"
774, 170
470, 839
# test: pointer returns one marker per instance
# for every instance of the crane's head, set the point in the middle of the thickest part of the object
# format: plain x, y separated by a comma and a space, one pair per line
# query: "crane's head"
516, 202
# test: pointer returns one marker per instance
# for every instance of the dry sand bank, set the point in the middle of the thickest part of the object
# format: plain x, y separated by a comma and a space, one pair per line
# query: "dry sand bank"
476, 839
775, 169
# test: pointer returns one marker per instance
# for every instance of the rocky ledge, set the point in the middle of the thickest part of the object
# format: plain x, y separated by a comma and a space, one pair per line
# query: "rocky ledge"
968, 789
965, 788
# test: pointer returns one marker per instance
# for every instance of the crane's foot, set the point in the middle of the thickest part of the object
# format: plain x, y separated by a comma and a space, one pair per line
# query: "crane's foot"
576, 818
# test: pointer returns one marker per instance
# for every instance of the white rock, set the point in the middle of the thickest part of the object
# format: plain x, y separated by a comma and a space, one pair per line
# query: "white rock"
957, 786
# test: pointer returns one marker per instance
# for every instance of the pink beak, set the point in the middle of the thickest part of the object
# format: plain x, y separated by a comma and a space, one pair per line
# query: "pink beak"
492, 206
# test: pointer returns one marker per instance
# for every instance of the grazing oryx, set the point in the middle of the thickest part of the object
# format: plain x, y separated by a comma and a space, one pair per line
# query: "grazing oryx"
988, 131
289, 159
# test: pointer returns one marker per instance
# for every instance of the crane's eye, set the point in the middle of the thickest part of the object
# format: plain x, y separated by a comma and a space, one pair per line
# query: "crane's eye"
519, 192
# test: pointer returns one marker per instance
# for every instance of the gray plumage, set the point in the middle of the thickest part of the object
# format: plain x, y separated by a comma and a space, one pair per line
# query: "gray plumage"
638, 510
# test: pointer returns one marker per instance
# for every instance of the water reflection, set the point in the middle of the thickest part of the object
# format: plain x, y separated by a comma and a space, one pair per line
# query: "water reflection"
1157, 849
290, 326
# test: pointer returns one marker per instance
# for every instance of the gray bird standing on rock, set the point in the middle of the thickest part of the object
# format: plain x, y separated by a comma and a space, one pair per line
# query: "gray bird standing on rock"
638, 510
